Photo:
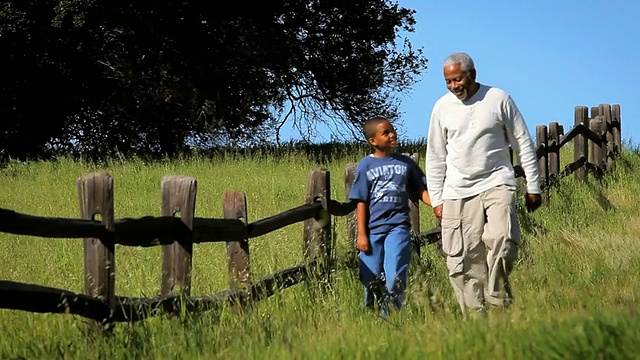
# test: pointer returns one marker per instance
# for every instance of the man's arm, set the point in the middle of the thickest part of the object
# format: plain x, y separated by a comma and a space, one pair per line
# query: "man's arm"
522, 144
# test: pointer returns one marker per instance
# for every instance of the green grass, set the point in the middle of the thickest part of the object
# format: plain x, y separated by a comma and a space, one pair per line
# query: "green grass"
575, 284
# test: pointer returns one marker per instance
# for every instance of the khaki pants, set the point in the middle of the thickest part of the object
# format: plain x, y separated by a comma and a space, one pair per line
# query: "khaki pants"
480, 236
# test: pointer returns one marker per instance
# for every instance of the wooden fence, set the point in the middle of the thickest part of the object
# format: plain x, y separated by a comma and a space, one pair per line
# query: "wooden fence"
598, 135
177, 230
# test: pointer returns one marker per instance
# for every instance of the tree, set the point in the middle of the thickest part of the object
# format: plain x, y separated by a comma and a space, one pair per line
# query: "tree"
99, 77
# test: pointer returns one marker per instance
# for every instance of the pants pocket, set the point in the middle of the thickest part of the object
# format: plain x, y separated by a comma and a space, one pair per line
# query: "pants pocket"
451, 237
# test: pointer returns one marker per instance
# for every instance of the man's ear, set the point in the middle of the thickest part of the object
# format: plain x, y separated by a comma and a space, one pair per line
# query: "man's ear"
472, 74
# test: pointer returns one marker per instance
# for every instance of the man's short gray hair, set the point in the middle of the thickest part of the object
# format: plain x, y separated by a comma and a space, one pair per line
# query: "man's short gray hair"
465, 61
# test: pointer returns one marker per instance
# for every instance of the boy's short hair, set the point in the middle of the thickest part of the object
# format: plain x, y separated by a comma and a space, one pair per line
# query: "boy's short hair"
369, 126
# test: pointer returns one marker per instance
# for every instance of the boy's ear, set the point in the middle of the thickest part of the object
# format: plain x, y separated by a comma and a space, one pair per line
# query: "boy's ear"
372, 141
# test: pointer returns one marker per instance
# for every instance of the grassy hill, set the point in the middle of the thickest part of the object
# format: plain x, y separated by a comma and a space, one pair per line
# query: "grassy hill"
575, 284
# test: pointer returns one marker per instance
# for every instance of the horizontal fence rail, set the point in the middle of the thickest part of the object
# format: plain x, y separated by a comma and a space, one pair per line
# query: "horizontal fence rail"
150, 231
42, 299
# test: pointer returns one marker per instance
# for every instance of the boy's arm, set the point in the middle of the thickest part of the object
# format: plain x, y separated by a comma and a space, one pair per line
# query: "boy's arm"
418, 181
362, 214
360, 193
425, 197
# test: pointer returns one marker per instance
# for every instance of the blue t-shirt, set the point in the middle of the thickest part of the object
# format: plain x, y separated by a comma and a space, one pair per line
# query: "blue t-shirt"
386, 184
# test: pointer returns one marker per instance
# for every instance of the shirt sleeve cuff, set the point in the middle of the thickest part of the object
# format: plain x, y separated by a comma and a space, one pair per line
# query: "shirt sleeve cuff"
533, 188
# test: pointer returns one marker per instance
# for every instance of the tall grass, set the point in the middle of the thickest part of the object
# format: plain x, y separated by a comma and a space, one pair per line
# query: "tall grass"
575, 284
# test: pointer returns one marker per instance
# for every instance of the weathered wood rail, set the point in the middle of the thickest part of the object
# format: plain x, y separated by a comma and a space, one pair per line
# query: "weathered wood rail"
41, 299
162, 230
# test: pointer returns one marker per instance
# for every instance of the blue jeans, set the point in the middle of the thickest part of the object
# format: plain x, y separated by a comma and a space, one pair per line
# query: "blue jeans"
383, 270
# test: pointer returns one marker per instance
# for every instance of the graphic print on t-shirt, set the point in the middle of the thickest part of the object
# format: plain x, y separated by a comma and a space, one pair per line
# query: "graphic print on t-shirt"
385, 190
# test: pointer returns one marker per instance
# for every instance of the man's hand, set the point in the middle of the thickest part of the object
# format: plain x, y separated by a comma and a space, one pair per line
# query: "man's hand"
363, 243
533, 201
437, 211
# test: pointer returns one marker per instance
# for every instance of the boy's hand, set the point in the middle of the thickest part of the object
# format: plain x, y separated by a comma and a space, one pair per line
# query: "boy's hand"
363, 243
437, 211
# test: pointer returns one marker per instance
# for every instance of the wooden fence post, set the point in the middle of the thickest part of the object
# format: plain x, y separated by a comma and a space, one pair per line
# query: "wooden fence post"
317, 230
543, 163
178, 196
95, 194
580, 144
607, 128
616, 125
554, 150
598, 149
235, 207
352, 228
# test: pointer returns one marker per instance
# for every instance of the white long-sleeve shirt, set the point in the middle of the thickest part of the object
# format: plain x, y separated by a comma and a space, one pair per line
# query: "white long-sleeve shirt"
468, 145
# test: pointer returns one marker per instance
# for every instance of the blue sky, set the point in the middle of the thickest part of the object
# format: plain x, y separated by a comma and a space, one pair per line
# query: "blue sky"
549, 55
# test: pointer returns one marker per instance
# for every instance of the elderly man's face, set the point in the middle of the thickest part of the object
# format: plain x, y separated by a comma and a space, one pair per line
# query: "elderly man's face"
458, 81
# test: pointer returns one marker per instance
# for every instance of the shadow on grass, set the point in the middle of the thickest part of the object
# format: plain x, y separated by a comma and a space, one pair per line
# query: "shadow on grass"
599, 197
527, 223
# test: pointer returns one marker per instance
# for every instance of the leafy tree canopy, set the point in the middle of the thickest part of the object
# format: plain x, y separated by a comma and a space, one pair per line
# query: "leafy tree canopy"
95, 77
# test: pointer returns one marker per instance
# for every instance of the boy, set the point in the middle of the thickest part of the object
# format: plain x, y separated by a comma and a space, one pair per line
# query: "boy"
382, 187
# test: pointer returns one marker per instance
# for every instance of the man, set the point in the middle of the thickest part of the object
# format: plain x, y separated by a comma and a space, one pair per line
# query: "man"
472, 183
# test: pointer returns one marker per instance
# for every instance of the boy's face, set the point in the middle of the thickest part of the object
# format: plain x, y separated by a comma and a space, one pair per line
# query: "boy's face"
385, 138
